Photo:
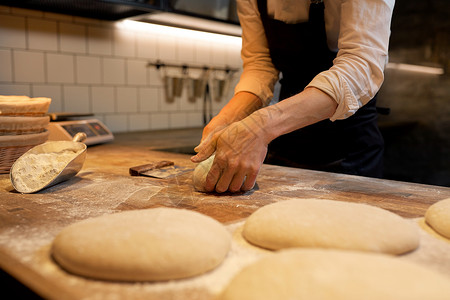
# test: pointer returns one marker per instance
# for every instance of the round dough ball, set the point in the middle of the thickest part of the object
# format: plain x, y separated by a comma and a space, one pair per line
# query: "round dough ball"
336, 275
438, 217
200, 173
330, 224
143, 245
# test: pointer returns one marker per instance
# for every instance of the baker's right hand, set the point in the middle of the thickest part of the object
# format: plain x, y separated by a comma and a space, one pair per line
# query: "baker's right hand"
239, 107
216, 124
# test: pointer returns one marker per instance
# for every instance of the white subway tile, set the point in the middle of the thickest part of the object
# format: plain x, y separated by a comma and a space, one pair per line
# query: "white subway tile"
136, 72
202, 52
185, 50
166, 48
178, 120
159, 121
103, 99
28, 66
15, 89
139, 122
6, 66
167, 105
194, 119
42, 34
187, 103
218, 55
234, 56
88, 69
60, 68
146, 45
12, 32
76, 99
149, 99
116, 123
127, 99
155, 76
72, 38
113, 71
100, 40
100, 68
51, 91
124, 43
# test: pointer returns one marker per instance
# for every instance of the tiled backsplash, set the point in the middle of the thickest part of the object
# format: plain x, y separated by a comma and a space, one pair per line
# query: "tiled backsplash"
100, 67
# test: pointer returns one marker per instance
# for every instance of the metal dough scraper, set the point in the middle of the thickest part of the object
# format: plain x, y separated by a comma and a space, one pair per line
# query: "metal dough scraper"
161, 169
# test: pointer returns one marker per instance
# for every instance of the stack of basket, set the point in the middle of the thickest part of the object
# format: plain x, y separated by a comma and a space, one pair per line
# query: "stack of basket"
23, 123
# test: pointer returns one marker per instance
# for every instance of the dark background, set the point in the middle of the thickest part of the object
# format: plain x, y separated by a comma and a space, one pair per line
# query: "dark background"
417, 130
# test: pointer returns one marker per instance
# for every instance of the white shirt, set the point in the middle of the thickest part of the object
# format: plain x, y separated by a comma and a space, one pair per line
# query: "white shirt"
358, 29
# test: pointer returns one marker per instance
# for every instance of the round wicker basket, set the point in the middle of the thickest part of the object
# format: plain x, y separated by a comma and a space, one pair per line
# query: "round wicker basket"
23, 106
13, 146
23, 125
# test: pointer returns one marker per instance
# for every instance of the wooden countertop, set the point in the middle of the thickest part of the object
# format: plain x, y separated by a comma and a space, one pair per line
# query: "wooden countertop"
29, 222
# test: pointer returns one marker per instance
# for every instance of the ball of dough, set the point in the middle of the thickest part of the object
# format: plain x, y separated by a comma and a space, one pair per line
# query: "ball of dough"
438, 217
200, 173
142, 245
325, 274
330, 224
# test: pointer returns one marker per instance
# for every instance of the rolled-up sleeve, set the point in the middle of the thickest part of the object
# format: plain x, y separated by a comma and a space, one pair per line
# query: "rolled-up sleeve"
259, 74
358, 70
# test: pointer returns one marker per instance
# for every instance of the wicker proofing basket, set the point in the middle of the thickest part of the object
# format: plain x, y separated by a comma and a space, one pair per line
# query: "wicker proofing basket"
13, 146
23, 125
23, 106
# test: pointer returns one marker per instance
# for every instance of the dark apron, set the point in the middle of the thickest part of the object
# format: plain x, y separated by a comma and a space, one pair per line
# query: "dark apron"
351, 146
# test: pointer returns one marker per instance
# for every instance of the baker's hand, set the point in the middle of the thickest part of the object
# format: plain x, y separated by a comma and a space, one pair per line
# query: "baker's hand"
240, 150
217, 124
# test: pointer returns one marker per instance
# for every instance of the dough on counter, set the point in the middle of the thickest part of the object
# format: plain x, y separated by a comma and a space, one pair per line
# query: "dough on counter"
330, 224
336, 275
438, 217
142, 245
200, 173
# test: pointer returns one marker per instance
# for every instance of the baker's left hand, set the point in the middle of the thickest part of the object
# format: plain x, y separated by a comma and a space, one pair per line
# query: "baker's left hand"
240, 149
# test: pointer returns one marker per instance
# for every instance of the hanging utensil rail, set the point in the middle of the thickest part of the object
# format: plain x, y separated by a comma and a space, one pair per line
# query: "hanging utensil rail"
158, 64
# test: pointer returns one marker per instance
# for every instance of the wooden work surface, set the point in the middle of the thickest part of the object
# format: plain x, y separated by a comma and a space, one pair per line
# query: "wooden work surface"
29, 222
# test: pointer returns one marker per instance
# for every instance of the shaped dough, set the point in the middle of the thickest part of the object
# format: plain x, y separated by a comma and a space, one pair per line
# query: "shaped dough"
143, 245
319, 274
330, 224
438, 217
200, 173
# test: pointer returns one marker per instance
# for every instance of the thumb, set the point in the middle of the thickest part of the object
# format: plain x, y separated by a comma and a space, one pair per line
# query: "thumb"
204, 150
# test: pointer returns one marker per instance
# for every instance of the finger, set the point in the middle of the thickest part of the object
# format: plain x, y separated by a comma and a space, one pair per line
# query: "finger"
250, 181
203, 142
224, 180
237, 182
212, 177
205, 150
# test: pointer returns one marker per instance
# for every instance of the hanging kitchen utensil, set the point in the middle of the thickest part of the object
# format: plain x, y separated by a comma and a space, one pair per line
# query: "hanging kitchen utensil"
220, 84
48, 164
207, 105
173, 83
197, 85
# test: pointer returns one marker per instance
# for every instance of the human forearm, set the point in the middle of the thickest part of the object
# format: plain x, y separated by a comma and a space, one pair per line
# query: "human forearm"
240, 106
303, 109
